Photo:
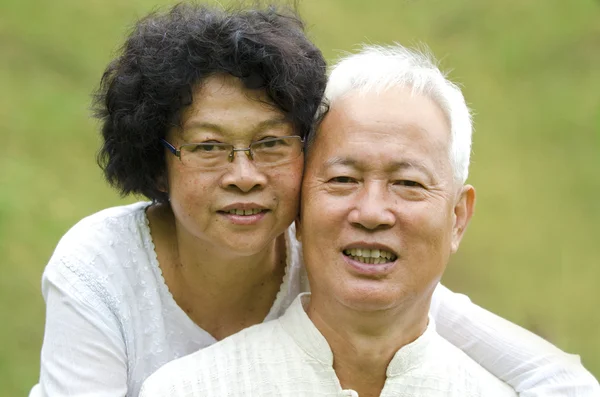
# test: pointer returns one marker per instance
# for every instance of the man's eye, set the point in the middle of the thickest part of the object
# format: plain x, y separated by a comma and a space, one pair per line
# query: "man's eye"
407, 183
342, 179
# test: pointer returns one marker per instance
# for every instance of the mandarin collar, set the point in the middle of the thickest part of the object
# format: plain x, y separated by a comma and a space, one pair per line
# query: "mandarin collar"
298, 325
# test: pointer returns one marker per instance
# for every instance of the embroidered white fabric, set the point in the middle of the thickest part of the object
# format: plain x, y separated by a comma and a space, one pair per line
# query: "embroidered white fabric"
111, 320
290, 357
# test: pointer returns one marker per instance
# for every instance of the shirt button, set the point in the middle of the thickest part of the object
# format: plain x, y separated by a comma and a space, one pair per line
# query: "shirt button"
348, 393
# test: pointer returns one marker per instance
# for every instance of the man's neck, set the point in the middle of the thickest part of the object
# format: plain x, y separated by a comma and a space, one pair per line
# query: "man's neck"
364, 343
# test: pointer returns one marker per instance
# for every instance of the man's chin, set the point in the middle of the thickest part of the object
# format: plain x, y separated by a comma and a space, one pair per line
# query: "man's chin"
367, 299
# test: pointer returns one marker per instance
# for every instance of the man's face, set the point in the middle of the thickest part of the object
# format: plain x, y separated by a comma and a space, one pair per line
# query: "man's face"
380, 210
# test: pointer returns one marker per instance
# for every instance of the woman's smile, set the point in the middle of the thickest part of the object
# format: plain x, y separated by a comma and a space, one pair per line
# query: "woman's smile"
244, 216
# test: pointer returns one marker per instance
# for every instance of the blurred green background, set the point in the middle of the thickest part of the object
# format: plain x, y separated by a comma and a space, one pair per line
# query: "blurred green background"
530, 70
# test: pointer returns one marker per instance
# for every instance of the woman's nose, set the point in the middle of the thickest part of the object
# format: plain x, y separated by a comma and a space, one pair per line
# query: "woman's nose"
243, 174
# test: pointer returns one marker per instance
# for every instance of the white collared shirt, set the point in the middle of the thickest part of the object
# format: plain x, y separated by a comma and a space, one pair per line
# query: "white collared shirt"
111, 320
290, 357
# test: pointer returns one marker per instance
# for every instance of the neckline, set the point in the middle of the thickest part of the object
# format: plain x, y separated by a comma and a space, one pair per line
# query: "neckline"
170, 300
305, 334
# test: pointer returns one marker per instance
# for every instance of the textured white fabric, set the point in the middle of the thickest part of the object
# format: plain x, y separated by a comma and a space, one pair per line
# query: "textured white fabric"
111, 320
530, 364
290, 357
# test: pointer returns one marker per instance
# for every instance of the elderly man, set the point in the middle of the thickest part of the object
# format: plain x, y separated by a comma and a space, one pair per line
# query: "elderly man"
384, 205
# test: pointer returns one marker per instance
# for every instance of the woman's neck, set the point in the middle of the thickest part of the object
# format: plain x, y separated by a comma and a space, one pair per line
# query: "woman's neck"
220, 291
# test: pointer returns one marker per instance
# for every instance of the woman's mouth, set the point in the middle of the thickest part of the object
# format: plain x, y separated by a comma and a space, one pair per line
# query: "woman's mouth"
245, 216
246, 212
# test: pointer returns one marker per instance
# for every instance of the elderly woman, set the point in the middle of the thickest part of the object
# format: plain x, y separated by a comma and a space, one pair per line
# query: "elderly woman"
204, 113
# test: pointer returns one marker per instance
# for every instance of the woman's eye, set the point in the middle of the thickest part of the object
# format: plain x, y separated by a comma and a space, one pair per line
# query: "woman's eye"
208, 147
342, 179
205, 148
270, 143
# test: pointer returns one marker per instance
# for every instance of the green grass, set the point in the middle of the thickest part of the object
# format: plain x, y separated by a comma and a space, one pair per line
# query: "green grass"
530, 70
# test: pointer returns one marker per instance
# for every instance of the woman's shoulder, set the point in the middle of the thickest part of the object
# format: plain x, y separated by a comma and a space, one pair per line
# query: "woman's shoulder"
296, 280
107, 244
111, 220
103, 229
296, 260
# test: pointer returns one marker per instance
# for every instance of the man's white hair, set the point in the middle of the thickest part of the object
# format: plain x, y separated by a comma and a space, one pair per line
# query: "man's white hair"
378, 68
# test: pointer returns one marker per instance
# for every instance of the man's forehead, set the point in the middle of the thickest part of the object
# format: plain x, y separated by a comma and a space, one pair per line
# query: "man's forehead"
396, 113
398, 104
338, 129
351, 137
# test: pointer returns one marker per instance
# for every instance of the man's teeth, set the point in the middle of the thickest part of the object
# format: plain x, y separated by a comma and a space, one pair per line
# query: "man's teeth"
369, 256
244, 212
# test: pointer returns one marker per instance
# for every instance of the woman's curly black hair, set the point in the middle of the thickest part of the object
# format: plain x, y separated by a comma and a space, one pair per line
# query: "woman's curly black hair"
143, 91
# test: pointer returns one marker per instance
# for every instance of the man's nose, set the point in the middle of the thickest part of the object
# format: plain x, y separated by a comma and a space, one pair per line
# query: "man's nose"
243, 174
373, 207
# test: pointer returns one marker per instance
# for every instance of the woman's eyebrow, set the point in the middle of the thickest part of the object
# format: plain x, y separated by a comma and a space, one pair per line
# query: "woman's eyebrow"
273, 122
263, 125
203, 125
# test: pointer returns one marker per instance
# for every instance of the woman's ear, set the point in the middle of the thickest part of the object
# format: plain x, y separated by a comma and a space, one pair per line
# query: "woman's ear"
162, 182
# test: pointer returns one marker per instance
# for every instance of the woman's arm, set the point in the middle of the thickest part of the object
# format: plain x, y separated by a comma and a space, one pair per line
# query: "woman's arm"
531, 365
83, 352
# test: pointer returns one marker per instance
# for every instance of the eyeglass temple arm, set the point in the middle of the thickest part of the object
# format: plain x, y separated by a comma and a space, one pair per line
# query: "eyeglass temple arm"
171, 148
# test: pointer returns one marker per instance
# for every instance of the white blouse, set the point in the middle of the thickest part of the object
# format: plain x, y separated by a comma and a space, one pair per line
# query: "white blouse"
111, 320
289, 357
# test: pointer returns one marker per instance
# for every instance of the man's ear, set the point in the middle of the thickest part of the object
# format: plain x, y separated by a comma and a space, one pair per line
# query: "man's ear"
463, 211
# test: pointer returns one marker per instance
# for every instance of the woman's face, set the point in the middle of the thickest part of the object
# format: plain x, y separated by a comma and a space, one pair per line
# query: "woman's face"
239, 209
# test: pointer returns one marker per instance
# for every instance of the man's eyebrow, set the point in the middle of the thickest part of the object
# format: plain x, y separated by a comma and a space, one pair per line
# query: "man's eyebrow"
346, 161
395, 166
408, 164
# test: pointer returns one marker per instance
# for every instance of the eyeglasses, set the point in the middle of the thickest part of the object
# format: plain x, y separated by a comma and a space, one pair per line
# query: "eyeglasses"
266, 152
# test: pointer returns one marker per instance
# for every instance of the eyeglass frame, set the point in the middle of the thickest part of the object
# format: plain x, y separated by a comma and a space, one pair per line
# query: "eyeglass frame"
177, 152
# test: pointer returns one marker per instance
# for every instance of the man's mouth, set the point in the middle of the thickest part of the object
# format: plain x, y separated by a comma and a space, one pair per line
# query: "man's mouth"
370, 256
